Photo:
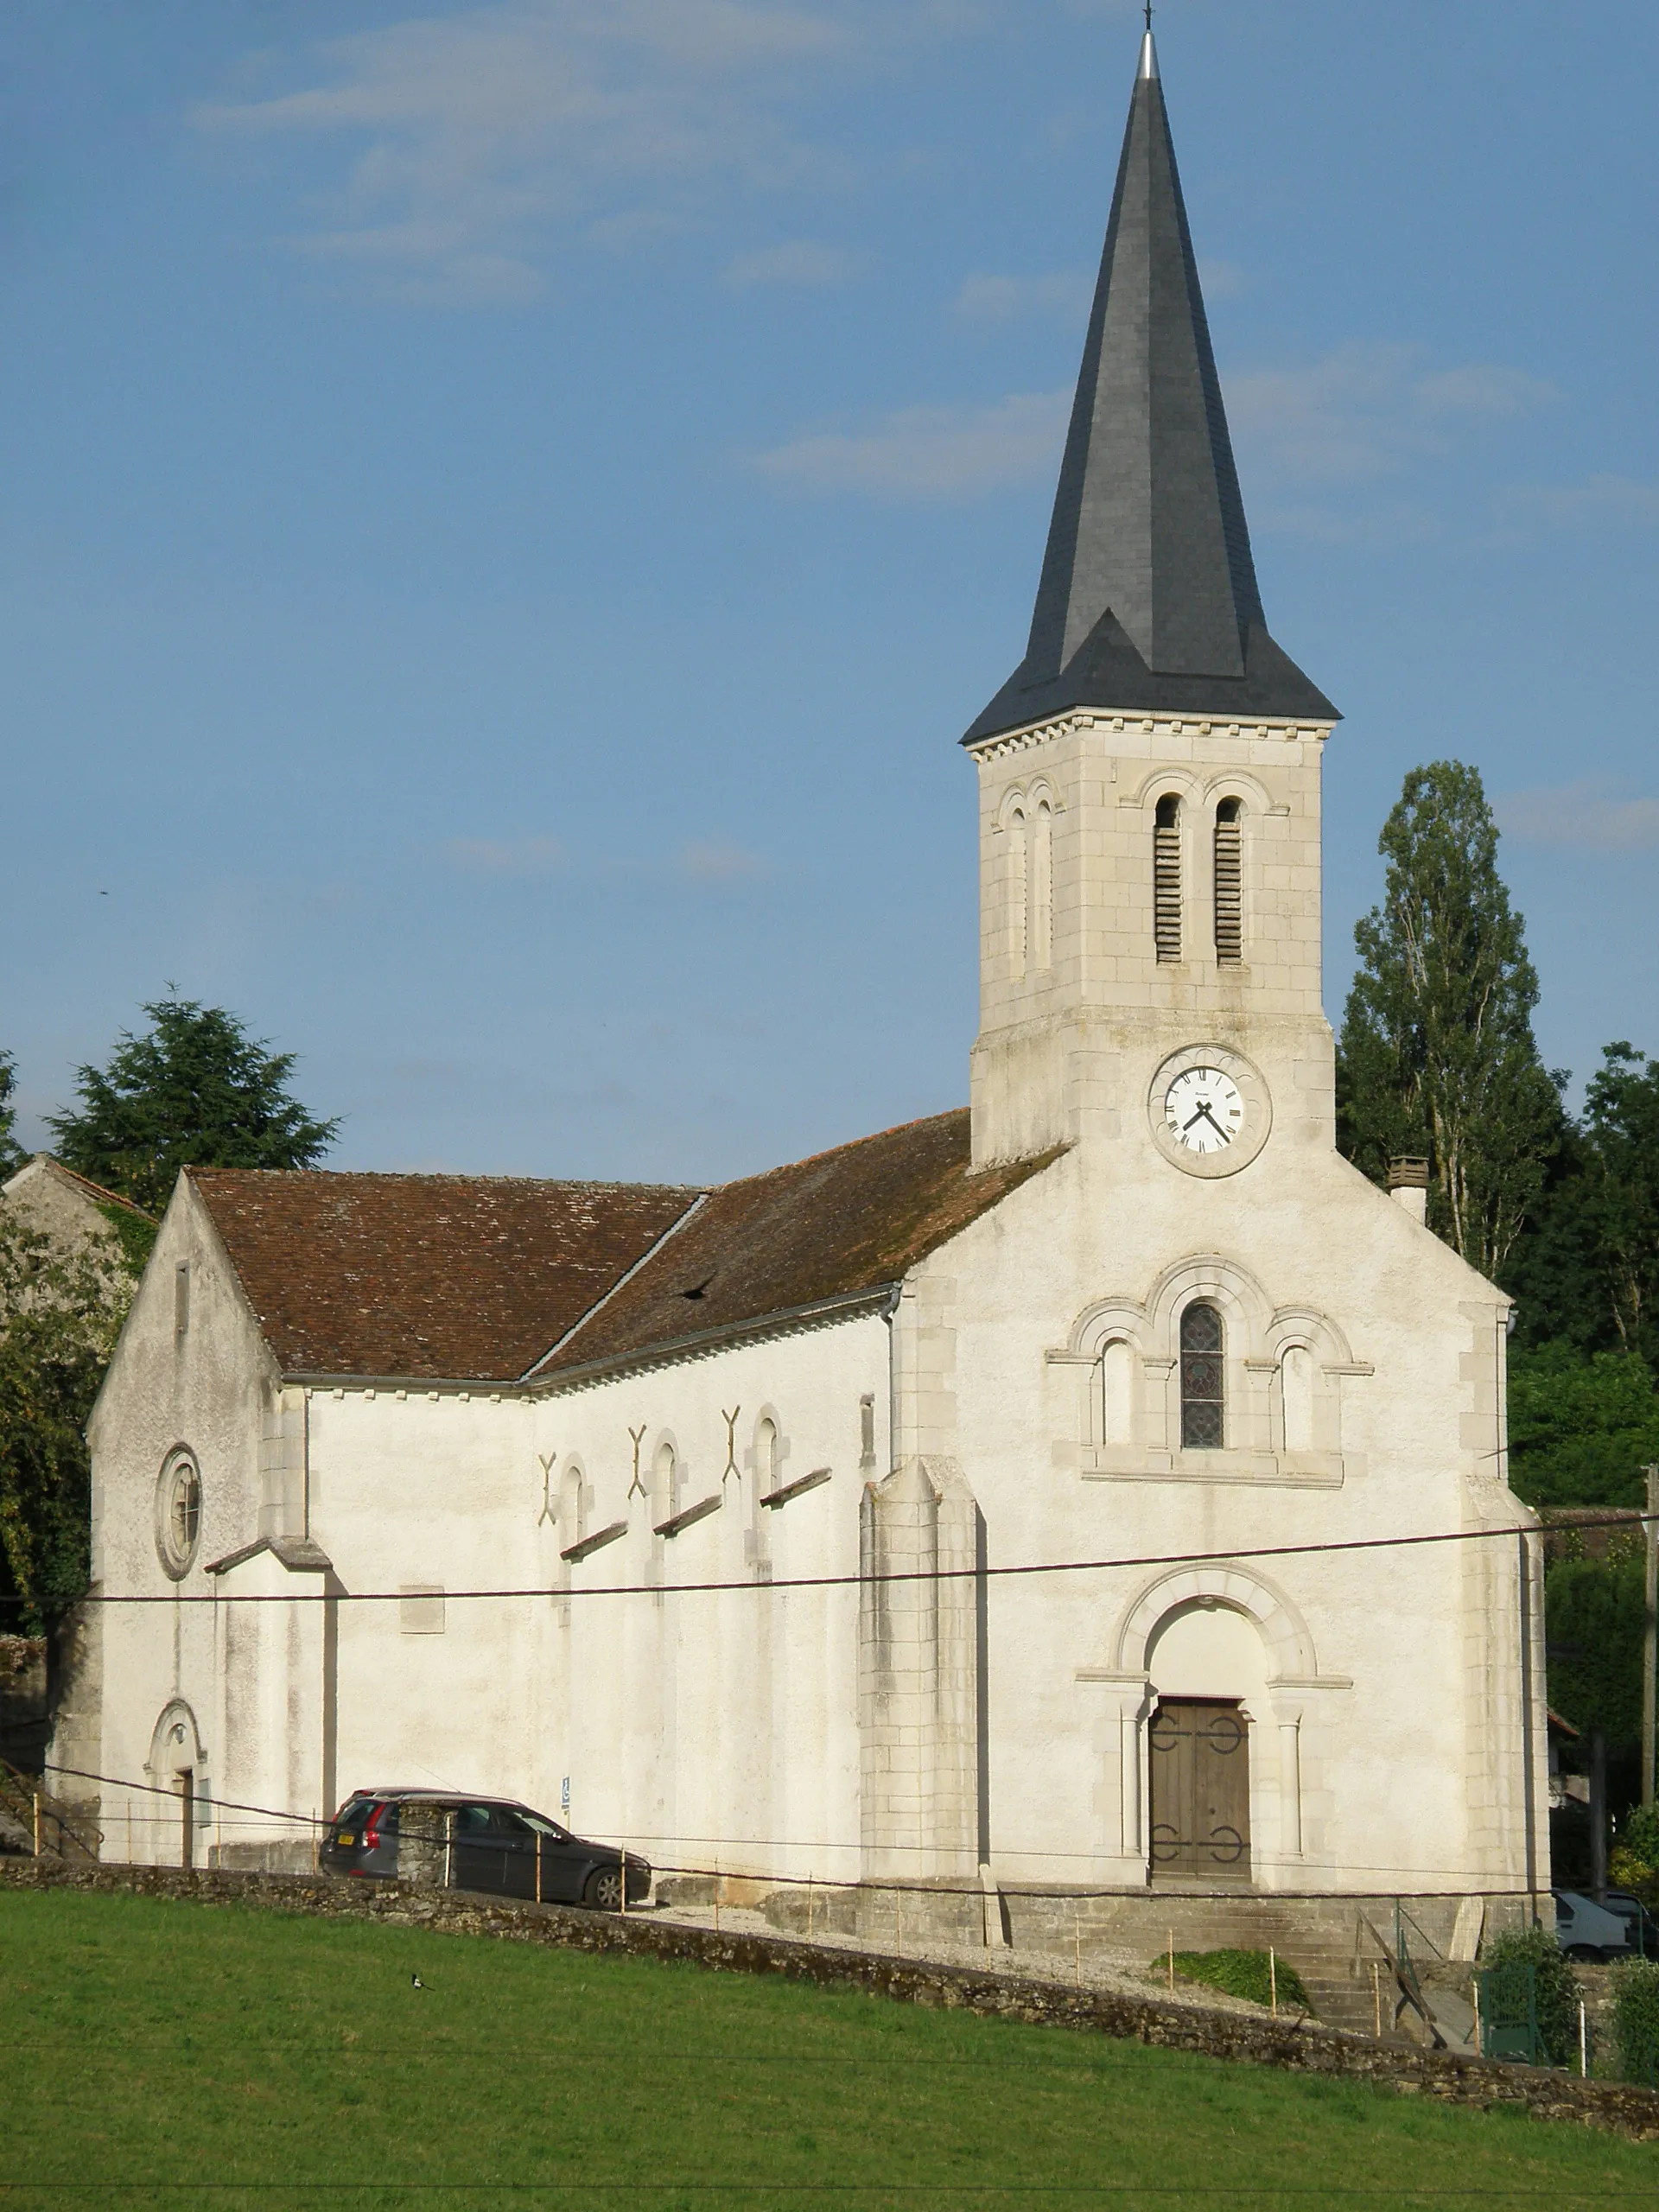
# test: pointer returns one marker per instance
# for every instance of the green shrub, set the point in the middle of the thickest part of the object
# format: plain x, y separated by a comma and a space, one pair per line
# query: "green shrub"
1636, 2020
1638, 1833
1239, 1974
1557, 1986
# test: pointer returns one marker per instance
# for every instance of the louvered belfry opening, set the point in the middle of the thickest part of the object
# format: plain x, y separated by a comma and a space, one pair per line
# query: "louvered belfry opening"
1229, 885
1166, 878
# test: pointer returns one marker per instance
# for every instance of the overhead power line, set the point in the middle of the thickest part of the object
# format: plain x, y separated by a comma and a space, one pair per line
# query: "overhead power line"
1624, 1519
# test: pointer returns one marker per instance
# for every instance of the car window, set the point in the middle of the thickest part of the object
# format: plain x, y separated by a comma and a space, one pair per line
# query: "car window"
545, 1828
475, 1821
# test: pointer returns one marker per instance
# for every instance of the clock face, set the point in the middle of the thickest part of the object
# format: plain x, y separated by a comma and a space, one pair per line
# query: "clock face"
1203, 1110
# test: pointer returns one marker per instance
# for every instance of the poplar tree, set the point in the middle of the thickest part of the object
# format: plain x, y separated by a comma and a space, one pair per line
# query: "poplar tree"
1437, 1056
196, 1091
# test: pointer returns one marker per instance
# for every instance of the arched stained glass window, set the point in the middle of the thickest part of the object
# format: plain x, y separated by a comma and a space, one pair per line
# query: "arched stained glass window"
1203, 1380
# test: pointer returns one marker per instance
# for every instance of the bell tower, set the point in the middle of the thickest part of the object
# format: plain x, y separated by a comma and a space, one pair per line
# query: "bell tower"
1149, 775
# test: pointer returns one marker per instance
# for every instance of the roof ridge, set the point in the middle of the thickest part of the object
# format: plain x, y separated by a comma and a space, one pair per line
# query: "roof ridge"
99, 1193
445, 1175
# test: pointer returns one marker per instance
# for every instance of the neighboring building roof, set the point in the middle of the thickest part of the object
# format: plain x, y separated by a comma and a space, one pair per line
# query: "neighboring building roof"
44, 1167
841, 1224
483, 1278
1148, 600
434, 1277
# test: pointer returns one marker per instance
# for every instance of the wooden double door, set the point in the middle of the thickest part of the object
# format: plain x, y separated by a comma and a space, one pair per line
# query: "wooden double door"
1200, 1790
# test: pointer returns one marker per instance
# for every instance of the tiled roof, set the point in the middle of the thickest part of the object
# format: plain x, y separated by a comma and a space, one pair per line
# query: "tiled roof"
846, 1221
474, 1278
452, 1276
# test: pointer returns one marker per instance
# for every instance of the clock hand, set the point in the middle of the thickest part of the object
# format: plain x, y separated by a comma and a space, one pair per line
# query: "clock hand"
1225, 1134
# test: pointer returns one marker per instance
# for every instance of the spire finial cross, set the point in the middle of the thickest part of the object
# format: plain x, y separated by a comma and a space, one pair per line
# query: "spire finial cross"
1149, 15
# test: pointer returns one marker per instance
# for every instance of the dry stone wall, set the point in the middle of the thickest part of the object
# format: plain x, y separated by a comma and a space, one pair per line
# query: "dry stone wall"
1303, 2049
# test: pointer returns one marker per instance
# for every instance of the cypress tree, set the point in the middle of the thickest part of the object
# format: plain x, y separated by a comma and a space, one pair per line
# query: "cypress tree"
1437, 1056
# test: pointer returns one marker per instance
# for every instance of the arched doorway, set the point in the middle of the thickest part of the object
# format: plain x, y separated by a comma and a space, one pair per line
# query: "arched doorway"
178, 1765
1208, 1675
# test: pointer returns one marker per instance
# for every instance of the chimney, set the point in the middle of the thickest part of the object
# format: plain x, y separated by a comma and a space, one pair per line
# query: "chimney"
1409, 1187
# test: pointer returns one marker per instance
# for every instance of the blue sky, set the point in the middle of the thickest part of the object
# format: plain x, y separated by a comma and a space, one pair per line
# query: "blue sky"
506, 512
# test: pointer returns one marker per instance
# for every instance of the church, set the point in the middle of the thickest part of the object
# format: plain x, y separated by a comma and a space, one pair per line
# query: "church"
1022, 1497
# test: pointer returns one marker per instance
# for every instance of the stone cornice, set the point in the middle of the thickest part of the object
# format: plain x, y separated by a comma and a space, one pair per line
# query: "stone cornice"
1087, 721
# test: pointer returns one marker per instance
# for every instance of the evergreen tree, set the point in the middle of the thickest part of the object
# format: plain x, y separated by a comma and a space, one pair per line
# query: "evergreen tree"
1438, 1057
12, 1154
197, 1090
1587, 1271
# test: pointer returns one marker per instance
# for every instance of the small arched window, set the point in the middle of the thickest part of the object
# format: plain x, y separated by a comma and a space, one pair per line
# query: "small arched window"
1040, 929
1117, 1393
1203, 1380
664, 1482
1167, 877
1019, 893
765, 1459
1229, 885
1296, 1397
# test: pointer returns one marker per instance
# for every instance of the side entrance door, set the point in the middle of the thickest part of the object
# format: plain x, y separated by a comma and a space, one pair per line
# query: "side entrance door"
1200, 1791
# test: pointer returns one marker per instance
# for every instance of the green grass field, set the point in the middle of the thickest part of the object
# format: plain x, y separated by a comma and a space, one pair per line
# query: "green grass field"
181, 2055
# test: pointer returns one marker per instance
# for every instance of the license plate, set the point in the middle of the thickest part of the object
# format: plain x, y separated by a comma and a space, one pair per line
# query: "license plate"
345, 1840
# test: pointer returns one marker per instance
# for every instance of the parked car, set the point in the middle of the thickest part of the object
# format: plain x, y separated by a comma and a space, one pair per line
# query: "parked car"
1587, 1930
1641, 1929
491, 1844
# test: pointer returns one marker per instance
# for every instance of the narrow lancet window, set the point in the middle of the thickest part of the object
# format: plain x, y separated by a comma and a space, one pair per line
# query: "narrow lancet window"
1229, 885
1041, 932
1203, 1369
1166, 878
1019, 872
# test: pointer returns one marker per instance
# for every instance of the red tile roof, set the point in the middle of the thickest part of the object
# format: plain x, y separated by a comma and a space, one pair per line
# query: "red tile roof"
462, 1277
844, 1222
475, 1278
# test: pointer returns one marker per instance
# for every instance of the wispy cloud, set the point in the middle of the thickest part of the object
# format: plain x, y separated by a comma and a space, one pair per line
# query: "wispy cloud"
1602, 499
719, 862
508, 856
932, 452
471, 132
986, 298
797, 261
1589, 816
1364, 412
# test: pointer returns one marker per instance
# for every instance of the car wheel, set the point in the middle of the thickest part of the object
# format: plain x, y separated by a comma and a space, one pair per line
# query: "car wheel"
603, 1888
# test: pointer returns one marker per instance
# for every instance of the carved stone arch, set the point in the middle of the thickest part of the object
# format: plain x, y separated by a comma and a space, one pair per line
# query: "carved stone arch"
1237, 783
1043, 792
1305, 1325
175, 1744
1100, 1325
1012, 807
1242, 1301
1172, 776
1243, 1589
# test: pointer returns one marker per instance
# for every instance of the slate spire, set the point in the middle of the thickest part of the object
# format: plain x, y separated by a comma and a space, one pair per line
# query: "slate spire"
1148, 599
